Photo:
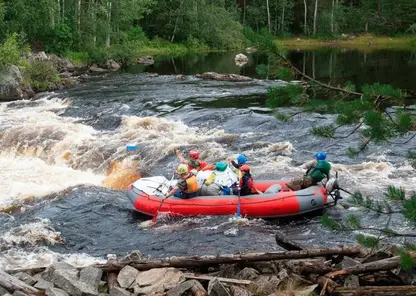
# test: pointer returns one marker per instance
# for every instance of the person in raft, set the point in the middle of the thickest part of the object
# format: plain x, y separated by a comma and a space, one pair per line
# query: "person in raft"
187, 186
241, 160
194, 163
318, 170
246, 183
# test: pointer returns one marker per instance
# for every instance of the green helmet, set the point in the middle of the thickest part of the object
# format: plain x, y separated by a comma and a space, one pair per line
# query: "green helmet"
221, 166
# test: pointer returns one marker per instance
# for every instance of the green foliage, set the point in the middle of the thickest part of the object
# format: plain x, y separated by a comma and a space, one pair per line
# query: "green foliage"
285, 74
406, 261
330, 223
10, 51
409, 208
368, 241
42, 75
326, 131
292, 93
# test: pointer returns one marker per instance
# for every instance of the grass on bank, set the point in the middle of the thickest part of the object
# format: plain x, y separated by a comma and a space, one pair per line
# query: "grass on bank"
364, 42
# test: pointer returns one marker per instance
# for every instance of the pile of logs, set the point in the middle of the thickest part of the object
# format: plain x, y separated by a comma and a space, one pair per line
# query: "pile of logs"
298, 271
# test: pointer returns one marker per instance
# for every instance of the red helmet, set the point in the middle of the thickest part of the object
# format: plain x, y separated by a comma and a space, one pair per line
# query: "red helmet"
194, 154
245, 168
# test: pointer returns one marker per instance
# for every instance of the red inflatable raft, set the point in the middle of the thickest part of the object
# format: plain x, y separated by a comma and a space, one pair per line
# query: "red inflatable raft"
146, 195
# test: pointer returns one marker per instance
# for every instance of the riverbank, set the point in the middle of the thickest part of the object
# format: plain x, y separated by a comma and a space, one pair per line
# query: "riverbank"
362, 43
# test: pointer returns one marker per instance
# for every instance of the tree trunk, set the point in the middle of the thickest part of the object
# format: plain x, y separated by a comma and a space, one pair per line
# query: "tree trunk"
376, 290
176, 21
313, 64
244, 12
305, 21
197, 261
12, 284
107, 41
283, 16
79, 18
385, 264
315, 16
332, 16
268, 15
366, 27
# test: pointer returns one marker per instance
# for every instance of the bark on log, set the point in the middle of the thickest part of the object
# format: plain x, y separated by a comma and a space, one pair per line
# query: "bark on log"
111, 275
287, 244
375, 291
12, 284
385, 264
198, 261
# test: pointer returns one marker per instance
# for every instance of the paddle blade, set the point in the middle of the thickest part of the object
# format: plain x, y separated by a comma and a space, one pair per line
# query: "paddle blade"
238, 210
154, 219
131, 147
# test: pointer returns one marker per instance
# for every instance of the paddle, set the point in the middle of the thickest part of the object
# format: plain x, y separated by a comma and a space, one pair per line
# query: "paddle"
154, 219
238, 203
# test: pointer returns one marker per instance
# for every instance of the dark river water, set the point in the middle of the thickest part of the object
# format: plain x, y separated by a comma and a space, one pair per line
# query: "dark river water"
64, 154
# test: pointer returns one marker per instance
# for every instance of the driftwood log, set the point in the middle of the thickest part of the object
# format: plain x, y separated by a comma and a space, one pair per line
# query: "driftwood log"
198, 261
385, 264
11, 283
376, 291
287, 244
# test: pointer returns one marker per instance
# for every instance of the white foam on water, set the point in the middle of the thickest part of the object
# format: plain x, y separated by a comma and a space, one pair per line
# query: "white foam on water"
43, 257
24, 177
31, 234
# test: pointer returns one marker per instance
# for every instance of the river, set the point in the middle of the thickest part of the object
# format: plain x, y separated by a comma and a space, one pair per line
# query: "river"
64, 155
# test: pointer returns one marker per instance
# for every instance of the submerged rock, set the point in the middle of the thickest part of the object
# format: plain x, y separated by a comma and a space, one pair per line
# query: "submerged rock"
147, 60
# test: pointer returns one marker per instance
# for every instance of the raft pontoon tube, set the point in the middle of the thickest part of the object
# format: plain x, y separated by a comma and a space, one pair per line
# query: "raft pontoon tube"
146, 194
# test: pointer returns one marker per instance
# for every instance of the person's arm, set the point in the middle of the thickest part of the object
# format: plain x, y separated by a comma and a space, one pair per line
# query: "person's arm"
233, 163
172, 192
180, 157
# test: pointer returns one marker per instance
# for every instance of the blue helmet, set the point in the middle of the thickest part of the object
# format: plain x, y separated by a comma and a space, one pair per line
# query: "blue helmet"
320, 155
241, 159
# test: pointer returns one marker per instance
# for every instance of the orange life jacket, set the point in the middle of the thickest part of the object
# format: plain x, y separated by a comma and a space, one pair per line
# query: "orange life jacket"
191, 184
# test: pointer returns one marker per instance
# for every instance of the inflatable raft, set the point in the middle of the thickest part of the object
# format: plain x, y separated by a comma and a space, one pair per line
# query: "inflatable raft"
146, 195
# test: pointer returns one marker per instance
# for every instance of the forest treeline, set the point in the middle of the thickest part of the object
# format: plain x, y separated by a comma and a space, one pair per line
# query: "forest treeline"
61, 26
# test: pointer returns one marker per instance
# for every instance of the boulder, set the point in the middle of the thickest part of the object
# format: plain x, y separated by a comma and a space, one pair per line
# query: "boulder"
228, 270
3, 291
112, 65
157, 280
241, 59
251, 49
180, 77
62, 64
191, 285
346, 262
223, 77
95, 69
10, 84
127, 276
238, 291
55, 292
216, 288
117, 291
43, 285
91, 276
264, 285
19, 293
65, 280
248, 273
24, 277
37, 56
147, 60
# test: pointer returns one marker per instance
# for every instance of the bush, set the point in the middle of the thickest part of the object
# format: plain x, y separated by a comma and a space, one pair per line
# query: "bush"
41, 75
60, 39
124, 54
10, 51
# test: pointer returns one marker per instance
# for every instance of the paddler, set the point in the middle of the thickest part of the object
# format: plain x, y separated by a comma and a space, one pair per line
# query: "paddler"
187, 186
194, 162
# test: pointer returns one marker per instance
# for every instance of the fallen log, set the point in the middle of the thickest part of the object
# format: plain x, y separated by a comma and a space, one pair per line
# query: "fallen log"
287, 244
221, 279
385, 264
375, 291
12, 284
112, 276
198, 261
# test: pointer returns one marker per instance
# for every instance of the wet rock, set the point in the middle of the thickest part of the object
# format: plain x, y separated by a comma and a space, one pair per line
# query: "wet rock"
238, 291
223, 77
43, 285
147, 60
91, 276
248, 273
65, 279
10, 88
65, 75
95, 69
157, 280
62, 64
127, 276
24, 277
216, 288
191, 285
180, 77
37, 56
55, 292
117, 291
